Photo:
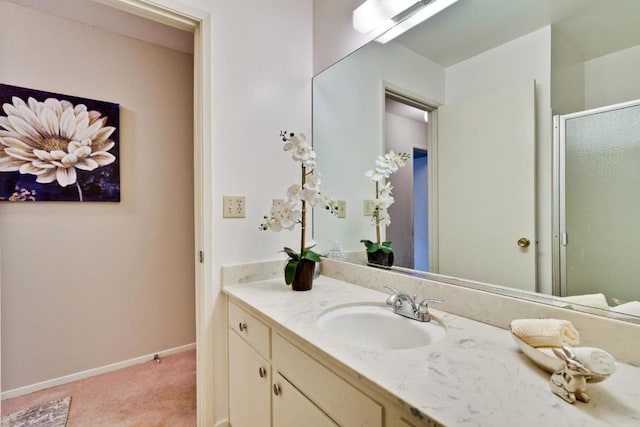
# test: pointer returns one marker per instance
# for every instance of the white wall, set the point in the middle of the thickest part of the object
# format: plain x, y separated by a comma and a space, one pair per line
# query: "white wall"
349, 132
567, 75
525, 58
612, 78
260, 83
86, 285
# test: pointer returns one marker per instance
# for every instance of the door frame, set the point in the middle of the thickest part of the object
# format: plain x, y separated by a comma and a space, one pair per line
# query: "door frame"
198, 22
431, 106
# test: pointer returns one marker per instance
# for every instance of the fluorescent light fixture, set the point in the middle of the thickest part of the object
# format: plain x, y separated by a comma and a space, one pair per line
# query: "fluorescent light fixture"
390, 18
374, 14
421, 15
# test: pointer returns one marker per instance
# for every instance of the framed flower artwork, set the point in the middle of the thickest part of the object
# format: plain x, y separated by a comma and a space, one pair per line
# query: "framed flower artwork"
57, 147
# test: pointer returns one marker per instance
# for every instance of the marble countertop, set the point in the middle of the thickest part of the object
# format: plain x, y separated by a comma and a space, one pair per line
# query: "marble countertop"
475, 376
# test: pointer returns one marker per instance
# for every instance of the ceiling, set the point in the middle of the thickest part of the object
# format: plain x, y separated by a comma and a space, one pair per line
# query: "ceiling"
470, 27
100, 16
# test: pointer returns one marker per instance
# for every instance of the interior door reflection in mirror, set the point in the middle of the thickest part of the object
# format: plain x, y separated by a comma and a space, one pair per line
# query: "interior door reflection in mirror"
566, 56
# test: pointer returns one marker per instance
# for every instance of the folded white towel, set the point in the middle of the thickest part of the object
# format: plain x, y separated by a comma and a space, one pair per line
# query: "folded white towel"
631, 307
596, 360
545, 332
591, 300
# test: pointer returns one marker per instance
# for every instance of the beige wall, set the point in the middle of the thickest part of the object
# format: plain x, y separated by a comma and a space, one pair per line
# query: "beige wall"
85, 285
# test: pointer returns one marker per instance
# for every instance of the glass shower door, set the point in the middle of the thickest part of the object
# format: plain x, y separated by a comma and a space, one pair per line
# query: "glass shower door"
600, 202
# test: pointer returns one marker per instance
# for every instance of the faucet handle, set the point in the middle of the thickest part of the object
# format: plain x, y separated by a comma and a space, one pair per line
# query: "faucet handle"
393, 290
432, 300
423, 307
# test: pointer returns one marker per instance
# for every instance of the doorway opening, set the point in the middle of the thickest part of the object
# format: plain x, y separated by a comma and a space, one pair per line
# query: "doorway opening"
406, 124
194, 22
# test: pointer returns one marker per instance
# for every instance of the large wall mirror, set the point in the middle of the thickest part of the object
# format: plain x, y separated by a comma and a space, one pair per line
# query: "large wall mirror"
510, 183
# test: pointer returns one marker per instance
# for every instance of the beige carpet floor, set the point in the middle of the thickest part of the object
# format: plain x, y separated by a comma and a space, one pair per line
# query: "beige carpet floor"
149, 394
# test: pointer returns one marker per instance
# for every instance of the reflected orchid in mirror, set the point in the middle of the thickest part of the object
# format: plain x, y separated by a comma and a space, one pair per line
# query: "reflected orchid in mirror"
386, 165
287, 213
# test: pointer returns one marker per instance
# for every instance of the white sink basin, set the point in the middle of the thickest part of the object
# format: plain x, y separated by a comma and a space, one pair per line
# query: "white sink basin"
378, 327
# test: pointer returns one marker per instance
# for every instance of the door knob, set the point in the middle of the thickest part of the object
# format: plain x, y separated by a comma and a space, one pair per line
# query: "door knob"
277, 390
262, 372
523, 242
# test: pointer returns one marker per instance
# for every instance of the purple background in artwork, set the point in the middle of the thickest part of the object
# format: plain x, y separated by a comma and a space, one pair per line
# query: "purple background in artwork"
100, 185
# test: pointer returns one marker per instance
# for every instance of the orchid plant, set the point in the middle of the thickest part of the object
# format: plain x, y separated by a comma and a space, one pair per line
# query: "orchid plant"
386, 165
292, 211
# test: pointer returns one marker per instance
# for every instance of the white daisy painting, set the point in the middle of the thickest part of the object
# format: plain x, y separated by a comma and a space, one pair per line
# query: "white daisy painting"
57, 147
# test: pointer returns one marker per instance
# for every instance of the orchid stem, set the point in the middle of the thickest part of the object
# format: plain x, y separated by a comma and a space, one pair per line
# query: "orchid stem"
303, 223
377, 215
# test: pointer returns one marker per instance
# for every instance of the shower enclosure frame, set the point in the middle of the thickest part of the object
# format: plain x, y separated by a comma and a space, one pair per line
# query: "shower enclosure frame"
559, 207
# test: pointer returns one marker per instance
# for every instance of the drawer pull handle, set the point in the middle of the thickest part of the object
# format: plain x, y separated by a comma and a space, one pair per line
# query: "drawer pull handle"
262, 372
242, 326
277, 390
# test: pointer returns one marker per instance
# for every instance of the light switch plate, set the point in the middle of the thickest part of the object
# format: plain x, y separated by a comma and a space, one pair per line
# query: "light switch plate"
341, 208
369, 206
233, 206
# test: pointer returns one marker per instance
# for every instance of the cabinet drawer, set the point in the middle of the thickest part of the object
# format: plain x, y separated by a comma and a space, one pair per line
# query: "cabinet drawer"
252, 330
344, 403
292, 409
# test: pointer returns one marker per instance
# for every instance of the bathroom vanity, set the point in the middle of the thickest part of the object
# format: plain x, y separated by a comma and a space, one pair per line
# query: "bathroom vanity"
285, 371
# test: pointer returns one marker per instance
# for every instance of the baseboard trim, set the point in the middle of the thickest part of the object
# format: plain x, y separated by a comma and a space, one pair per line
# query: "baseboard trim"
92, 372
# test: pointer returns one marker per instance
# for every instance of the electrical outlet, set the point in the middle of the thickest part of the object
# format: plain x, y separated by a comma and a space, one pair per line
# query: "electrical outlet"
341, 208
233, 207
369, 206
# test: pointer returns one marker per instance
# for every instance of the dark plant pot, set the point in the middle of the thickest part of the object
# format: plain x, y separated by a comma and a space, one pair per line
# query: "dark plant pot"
380, 258
303, 279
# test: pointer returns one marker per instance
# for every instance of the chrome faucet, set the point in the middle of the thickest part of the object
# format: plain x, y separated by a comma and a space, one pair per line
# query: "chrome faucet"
405, 305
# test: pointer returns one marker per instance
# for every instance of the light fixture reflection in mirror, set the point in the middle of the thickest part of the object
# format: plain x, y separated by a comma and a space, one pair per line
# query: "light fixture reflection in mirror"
391, 18
582, 55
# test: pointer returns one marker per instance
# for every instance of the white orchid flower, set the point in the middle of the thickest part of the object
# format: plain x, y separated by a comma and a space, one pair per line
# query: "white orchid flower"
293, 192
313, 182
289, 217
374, 175
386, 188
287, 214
384, 201
303, 153
310, 196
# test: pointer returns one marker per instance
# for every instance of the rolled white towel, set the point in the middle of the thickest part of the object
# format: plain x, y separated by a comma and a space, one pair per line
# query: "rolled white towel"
545, 332
591, 300
596, 360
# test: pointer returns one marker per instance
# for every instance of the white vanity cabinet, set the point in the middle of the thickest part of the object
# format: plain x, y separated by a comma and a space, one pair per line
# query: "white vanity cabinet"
273, 382
259, 396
